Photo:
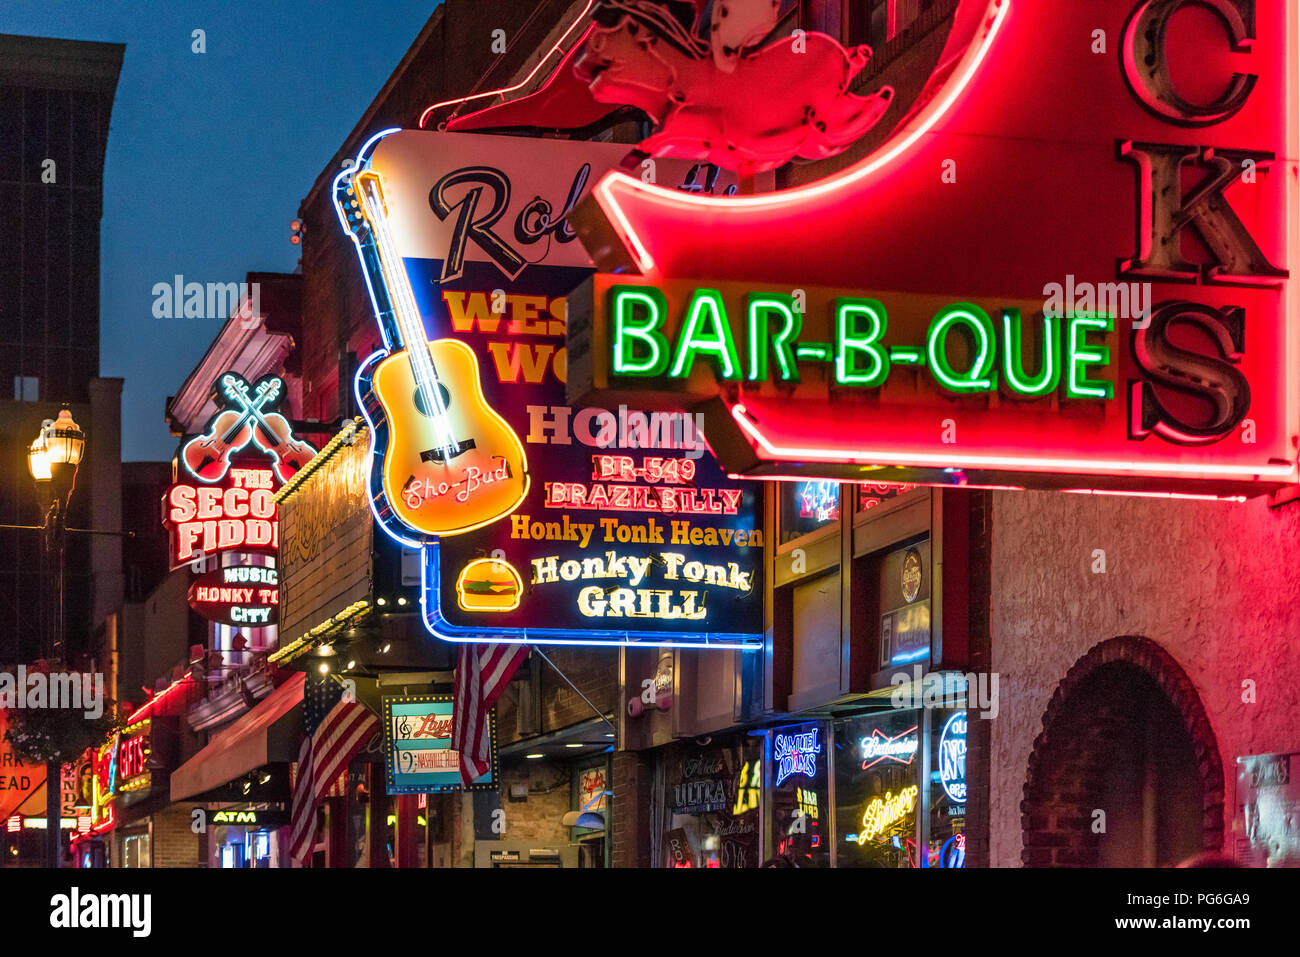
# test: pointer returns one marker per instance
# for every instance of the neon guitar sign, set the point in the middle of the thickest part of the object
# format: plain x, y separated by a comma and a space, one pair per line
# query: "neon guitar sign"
447, 463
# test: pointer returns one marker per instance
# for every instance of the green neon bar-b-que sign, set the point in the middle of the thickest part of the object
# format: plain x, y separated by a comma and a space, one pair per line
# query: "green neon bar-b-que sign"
764, 345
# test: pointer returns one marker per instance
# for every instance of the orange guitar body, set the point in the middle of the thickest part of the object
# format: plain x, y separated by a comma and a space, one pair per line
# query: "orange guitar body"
445, 474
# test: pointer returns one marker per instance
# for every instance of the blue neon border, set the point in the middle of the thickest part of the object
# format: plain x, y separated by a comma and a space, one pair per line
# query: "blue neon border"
430, 593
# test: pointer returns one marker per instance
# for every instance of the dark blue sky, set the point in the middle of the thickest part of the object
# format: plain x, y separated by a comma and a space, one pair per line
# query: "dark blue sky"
209, 154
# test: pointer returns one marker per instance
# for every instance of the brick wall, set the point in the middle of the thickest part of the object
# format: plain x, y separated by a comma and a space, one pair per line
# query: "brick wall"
980, 734
537, 818
633, 772
173, 844
1101, 697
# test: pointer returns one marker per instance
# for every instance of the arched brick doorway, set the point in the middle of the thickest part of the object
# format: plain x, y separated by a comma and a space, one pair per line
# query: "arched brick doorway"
1126, 733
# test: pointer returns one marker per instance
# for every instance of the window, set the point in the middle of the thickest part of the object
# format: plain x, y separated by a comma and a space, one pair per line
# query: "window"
27, 388
135, 850
807, 507
876, 22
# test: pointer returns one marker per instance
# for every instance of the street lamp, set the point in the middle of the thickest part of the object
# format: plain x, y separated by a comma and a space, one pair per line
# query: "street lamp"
37, 460
53, 459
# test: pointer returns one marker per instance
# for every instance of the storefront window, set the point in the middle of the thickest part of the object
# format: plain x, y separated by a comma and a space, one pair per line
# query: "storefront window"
591, 800
799, 806
713, 800
135, 850
905, 606
807, 507
877, 789
947, 837
873, 494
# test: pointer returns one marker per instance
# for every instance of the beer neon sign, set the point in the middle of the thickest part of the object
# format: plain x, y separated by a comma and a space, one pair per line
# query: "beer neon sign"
878, 746
883, 813
952, 758
796, 754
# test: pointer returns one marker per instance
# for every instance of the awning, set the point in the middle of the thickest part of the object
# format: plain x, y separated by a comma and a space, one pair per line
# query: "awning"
271, 732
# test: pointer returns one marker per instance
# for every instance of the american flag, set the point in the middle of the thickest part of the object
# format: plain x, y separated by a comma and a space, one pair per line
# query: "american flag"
334, 731
481, 675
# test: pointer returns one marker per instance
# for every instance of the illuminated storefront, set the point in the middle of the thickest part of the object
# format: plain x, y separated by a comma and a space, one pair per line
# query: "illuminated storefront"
712, 804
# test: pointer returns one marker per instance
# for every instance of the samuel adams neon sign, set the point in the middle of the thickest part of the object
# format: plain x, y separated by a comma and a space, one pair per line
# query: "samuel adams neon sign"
796, 754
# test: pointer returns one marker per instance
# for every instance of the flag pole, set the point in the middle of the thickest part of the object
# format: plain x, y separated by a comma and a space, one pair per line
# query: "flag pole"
600, 714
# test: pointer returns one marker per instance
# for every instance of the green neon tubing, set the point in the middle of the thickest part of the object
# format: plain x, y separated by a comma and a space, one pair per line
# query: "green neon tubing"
628, 332
760, 307
980, 376
717, 343
1079, 354
1013, 360
852, 342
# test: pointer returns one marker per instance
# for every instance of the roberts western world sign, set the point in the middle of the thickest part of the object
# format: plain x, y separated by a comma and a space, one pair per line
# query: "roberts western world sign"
1073, 271
626, 530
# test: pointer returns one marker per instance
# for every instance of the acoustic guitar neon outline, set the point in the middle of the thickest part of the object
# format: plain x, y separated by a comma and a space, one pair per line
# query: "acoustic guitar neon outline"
450, 463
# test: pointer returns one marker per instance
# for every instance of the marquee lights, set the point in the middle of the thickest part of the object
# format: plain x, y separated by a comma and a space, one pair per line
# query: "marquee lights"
882, 813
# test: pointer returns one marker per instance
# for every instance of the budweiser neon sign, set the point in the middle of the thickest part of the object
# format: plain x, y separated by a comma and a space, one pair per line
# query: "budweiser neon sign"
879, 746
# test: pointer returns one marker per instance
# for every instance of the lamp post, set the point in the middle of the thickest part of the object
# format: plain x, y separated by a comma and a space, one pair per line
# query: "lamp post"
53, 459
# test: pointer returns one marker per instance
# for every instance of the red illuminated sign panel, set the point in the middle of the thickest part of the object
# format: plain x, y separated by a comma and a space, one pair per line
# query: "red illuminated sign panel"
226, 476
240, 514
131, 758
1073, 270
